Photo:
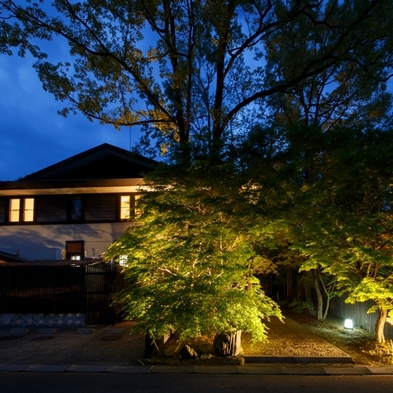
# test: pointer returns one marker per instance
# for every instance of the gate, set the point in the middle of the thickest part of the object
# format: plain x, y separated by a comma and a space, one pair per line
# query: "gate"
63, 289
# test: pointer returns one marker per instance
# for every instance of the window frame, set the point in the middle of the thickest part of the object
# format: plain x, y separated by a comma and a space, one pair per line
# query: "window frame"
22, 212
130, 208
28, 211
71, 208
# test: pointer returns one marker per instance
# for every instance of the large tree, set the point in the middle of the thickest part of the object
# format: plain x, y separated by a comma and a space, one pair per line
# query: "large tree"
193, 256
195, 69
345, 217
308, 115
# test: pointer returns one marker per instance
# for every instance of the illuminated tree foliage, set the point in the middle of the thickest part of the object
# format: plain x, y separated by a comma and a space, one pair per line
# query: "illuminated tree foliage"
192, 259
345, 217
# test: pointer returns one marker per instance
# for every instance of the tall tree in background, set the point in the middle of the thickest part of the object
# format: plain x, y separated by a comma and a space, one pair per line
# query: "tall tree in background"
346, 217
341, 95
183, 73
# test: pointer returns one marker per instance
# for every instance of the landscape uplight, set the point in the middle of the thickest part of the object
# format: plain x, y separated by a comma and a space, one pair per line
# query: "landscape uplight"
348, 324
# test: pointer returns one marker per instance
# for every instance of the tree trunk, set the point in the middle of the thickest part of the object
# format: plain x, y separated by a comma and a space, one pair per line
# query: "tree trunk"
228, 344
319, 294
326, 307
289, 287
380, 325
151, 347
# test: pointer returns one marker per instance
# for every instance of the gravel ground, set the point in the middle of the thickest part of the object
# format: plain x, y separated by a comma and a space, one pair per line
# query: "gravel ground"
290, 339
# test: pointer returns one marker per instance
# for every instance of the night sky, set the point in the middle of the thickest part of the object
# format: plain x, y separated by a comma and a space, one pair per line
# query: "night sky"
32, 134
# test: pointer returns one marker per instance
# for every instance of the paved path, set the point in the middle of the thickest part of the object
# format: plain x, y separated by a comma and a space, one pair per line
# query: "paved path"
107, 349
95, 344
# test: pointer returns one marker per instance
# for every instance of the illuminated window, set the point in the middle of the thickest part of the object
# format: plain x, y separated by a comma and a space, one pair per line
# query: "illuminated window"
14, 210
21, 205
28, 210
123, 260
125, 207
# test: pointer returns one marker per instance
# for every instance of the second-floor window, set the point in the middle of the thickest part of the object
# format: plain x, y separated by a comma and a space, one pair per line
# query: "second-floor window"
21, 210
76, 209
125, 207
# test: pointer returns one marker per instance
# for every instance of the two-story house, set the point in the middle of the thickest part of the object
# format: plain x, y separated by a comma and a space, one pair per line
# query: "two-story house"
73, 209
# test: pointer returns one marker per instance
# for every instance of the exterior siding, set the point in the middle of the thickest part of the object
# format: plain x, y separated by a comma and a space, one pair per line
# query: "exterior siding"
45, 238
55, 208
3, 210
100, 207
51, 208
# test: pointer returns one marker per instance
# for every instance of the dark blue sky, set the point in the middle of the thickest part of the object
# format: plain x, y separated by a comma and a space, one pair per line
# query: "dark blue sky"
32, 134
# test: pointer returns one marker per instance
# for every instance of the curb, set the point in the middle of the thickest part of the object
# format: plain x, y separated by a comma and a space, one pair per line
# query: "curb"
255, 370
298, 359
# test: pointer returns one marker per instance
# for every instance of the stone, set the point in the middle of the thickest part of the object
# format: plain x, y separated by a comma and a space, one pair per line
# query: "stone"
187, 352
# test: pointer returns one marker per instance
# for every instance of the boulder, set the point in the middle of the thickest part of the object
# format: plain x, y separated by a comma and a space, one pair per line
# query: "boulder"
187, 353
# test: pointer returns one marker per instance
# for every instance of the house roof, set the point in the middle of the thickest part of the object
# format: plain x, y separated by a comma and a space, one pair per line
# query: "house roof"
101, 162
104, 165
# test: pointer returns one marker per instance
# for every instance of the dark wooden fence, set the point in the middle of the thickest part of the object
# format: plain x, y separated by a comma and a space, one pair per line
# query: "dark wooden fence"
358, 313
85, 289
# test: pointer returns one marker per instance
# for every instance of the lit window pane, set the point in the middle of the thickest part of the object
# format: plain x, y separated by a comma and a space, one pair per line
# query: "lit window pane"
29, 209
125, 207
123, 260
14, 210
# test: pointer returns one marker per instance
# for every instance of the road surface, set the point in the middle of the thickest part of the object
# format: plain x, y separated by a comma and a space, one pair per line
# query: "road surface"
22, 382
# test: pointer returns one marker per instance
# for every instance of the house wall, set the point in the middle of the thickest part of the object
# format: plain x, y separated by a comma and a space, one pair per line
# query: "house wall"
46, 242
98, 223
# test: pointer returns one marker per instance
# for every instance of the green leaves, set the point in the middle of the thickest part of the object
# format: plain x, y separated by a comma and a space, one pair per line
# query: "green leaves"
191, 259
345, 213
184, 75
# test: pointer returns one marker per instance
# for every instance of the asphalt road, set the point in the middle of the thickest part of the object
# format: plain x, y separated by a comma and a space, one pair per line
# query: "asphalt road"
170, 383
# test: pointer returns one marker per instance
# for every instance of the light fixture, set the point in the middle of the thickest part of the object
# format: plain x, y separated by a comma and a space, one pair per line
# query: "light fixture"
348, 324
